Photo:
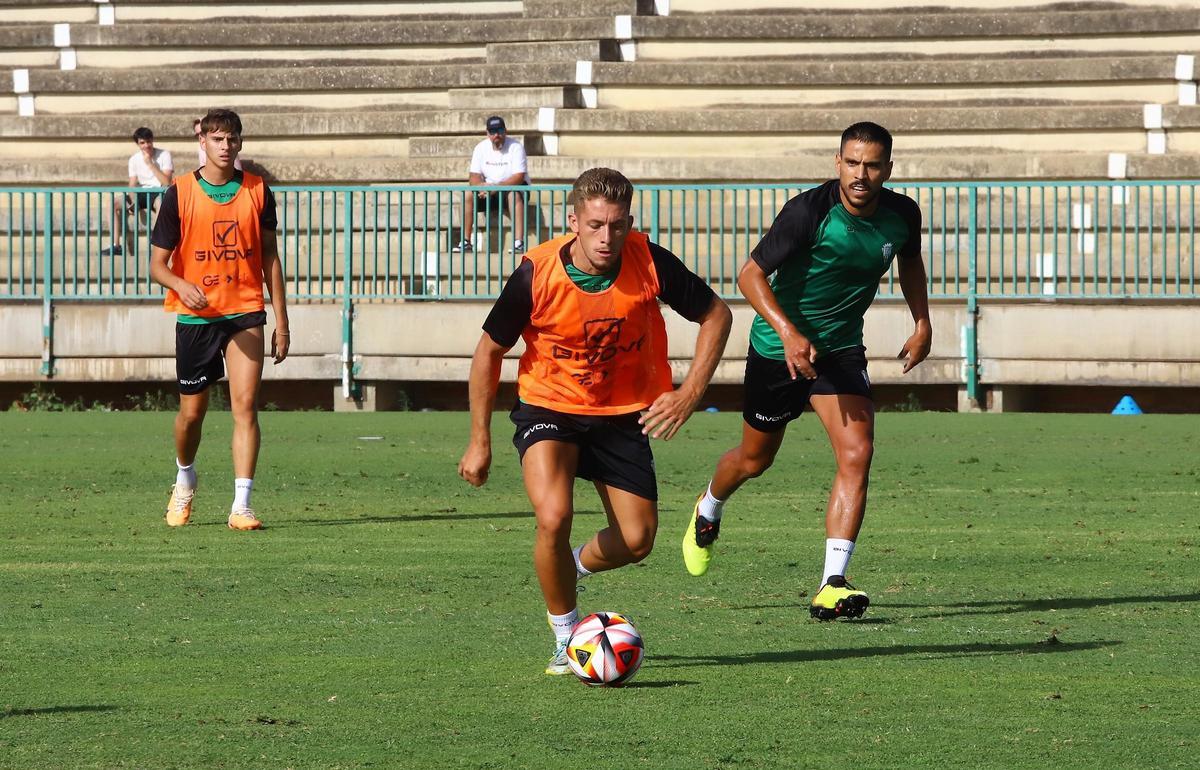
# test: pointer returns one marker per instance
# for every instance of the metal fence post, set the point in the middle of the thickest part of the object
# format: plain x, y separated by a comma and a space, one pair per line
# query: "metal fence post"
970, 331
47, 285
349, 386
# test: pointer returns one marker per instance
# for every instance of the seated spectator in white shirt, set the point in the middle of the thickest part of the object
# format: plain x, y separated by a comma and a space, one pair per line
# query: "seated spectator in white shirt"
496, 161
149, 167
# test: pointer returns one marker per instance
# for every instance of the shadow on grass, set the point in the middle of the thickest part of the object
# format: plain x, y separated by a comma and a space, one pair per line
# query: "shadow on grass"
995, 607
1007, 606
637, 685
401, 518
53, 710
930, 650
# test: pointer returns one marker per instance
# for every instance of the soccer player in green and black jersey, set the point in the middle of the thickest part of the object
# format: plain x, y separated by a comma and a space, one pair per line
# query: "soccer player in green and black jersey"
824, 255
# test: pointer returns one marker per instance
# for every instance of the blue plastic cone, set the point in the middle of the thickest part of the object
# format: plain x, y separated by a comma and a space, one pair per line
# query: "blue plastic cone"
1127, 406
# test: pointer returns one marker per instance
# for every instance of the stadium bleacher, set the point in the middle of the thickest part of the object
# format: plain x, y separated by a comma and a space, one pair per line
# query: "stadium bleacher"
1018, 92
671, 93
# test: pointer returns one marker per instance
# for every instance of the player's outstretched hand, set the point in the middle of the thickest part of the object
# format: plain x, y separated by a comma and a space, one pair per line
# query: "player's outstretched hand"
916, 349
667, 414
474, 465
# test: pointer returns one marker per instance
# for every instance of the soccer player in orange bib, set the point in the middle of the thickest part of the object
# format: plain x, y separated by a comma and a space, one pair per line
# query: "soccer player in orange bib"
593, 386
213, 246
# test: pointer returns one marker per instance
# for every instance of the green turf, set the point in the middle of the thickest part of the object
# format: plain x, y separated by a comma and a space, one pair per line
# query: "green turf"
1034, 591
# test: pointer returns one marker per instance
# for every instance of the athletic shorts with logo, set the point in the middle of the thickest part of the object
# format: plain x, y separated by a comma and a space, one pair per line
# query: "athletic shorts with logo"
200, 350
612, 448
773, 398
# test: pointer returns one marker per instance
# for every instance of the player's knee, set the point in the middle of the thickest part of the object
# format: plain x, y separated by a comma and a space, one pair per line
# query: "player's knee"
753, 466
554, 525
639, 543
856, 456
244, 415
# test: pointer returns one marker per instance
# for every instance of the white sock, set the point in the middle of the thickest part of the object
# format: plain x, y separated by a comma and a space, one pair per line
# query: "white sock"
241, 493
580, 570
837, 557
185, 477
563, 624
710, 507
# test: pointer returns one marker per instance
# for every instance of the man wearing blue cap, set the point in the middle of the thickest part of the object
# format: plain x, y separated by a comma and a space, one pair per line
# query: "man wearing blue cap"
497, 161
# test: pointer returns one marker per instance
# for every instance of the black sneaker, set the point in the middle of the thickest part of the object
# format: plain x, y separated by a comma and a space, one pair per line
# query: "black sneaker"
463, 246
112, 251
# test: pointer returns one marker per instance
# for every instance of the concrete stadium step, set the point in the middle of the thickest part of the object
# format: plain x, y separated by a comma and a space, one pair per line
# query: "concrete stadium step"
801, 167
142, 10
694, 85
300, 34
924, 30
735, 147
463, 146
504, 99
346, 87
566, 9
899, 117
47, 12
572, 51
82, 12
262, 124
685, 7
265, 78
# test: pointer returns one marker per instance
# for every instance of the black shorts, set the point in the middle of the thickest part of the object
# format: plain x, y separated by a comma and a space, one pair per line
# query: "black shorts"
141, 201
612, 449
498, 200
773, 398
200, 350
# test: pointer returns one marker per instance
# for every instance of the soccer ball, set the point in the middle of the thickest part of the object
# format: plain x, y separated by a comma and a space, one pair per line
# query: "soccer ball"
605, 650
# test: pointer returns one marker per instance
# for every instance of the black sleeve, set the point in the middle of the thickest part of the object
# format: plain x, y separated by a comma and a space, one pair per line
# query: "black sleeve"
910, 212
686, 293
166, 227
795, 227
513, 309
269, 220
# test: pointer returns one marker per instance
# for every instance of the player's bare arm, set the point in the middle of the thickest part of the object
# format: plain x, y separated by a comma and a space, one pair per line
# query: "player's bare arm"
797, 350
273, 272
916, 294
482, 385
189, 293
672, 409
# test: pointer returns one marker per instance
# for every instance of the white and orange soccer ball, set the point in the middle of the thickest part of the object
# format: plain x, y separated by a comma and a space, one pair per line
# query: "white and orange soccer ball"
605, 650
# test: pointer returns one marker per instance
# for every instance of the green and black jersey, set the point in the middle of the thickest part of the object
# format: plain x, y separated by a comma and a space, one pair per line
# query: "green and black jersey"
825, 264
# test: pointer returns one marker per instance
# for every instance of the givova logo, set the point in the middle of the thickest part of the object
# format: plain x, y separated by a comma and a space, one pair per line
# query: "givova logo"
537, 427
203, 379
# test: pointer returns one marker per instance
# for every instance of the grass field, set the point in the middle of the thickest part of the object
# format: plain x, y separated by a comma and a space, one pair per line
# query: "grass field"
1034, 593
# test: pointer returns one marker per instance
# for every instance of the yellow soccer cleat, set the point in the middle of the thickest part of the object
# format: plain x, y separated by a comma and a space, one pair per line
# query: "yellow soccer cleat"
179, 508
244, 519
838, 599
558, 664
697, 541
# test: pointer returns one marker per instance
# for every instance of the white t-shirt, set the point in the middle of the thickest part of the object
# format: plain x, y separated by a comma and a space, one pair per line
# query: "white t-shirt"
496, 165
138, 167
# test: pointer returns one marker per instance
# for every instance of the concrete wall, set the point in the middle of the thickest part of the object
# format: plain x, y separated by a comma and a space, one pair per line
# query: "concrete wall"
1021, 343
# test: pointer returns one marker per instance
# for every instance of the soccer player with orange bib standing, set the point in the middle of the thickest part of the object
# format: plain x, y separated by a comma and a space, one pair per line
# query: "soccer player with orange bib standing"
595, 359
213, 246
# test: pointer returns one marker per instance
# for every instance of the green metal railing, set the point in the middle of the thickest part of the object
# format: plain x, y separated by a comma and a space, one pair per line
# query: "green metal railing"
355, 244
